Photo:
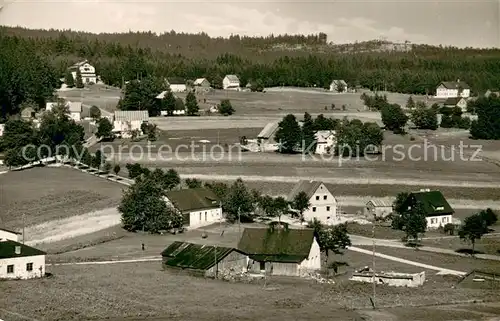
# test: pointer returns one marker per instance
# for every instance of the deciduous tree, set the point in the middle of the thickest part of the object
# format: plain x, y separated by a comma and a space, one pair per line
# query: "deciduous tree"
239, 203
95, 113
104, 129
472, 229
301, 204
193, 183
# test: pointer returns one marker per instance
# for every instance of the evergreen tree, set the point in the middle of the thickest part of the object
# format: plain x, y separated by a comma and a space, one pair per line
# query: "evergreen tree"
226, 108
288, 134
191, 104
410, 104
69, 80
168, 102
308, 138
394, 118
79, 80
487, 125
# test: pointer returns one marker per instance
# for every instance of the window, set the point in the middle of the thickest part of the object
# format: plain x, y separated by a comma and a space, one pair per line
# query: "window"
205, 216
314, 209
200, 217
328, 208
324, 197
433, 221
444, 219
10, 268
29, 267
262, 266
317, 198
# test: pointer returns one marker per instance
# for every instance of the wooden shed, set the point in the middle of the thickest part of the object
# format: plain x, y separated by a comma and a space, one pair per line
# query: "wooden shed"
203, 260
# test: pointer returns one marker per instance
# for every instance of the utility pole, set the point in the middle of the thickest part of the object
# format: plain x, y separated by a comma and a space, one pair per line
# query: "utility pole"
373, 262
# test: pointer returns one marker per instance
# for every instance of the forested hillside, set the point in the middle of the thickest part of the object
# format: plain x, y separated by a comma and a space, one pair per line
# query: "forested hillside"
275, 61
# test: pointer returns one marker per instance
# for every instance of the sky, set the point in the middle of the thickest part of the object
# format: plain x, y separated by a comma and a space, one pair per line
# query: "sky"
474, 23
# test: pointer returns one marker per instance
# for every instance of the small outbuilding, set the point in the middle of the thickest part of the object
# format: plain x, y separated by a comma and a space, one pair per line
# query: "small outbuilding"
203, 260
378, 208
280, 250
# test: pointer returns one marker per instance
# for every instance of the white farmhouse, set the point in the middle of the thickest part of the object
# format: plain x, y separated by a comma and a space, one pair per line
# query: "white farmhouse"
325, 141
9, 235
74, 109
452, 89
323, 203
198, 206
86, 70
127, 121
280, 250
231, 82
338, 86
437, 210
177, 85
19, 261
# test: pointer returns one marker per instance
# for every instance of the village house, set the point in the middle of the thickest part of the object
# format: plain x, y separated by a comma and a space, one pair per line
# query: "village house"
265, 139
127, 121
231, 82
6, 234
87, 71
459, 102
280, 250
198, 206
323, 203
19, 261
202, 82
203, 260
338, 86
28, 114
74, 109
177, 85
451, 89
437, 210
378, 208
325, 141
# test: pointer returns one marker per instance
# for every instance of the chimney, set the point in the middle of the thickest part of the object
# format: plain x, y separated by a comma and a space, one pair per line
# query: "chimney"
17, 249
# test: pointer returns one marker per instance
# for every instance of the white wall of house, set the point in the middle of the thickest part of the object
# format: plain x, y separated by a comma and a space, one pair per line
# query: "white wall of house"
313, 261
205, 217
443, 92
178, 88
228, 84
76, 116
323, 207
434, 222
6, 235
20, 267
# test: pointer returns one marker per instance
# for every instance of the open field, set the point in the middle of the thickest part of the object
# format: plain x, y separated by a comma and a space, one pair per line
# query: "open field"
47, 194
120, 290
487, 244
453, 262
104, 97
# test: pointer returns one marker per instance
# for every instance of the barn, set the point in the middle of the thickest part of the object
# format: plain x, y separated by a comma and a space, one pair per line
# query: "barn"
280, 250
203, 260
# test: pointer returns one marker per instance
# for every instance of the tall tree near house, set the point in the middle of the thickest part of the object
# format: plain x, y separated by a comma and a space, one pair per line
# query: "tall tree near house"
394, 118
268, 206
340, 87
168, 102
301, 204
487, 125
172, 179
472, 229
143, 208
333, 239
95, 113
69, 80
104, 129
79, 80
412, 221
239, 202
288, 134
281, 205
308, 138
192, 104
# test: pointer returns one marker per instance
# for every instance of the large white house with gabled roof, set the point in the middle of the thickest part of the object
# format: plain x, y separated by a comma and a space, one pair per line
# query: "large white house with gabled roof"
452, 89
231, 82
323, 203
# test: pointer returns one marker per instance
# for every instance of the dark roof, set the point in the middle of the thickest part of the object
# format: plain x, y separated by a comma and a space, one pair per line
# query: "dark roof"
8, 250
176, 81
431, 200
194, 256
278, 244
10, 231
452, 101
191, 199
455, 85
309, 187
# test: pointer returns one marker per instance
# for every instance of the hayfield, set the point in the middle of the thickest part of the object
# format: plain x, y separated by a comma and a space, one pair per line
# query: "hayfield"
139, 290
46, 194
487, 244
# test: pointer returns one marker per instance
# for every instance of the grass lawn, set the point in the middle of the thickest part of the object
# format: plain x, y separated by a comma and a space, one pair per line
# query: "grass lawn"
138, 290
45, 194
445, 261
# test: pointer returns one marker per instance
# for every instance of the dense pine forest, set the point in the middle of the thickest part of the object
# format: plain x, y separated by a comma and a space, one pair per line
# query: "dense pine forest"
32, 61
